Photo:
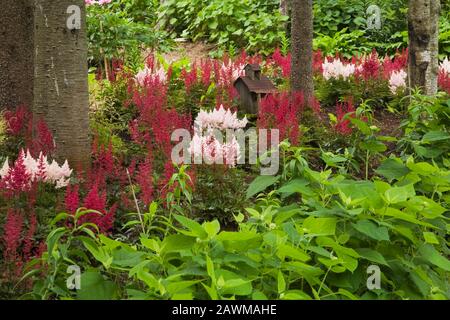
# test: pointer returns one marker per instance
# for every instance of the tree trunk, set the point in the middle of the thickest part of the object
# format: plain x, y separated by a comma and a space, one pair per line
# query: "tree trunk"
16, 54
61, 95
284, 7
302, 52
423, 27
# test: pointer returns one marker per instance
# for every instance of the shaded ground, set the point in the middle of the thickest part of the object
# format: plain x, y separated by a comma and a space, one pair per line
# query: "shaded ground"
194, 51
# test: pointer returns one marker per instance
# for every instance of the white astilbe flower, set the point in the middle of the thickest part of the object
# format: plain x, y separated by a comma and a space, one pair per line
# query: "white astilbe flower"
219, 119
397, 81
4, 170
148, 74
336, 69
444, 67
40, 170
206, 146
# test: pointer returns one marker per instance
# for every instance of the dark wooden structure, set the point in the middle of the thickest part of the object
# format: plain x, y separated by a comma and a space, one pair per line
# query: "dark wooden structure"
252, 88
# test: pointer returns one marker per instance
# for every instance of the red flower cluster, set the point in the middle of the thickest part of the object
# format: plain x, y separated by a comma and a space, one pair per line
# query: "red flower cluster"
282, 112
343, 125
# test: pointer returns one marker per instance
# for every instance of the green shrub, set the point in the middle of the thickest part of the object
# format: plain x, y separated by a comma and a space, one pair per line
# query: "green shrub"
255, 25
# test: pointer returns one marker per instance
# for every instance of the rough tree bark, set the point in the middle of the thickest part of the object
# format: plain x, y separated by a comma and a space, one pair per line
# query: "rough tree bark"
423, 28
16, 53
301, 47
61, 95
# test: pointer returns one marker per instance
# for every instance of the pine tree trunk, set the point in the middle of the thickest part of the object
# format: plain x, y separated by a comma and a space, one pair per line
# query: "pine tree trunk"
61, 95
16, 53
423, 27
302, 52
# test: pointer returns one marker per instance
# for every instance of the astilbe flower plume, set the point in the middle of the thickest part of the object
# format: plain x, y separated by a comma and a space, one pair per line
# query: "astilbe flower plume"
282, 111
96, 200
444, 75
12, 235
343, 125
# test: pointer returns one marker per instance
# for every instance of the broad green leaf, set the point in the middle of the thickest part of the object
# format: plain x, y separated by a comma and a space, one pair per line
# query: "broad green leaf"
95, 287
193, 226
430, 237
392, 169
260, 184
372, 255
320, 226
370, 229
399, 194
296, 186
285, 250
281, 283
430, 254
433, 136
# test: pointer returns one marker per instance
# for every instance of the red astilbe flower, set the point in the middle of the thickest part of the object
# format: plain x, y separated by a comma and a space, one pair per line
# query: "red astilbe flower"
29, 238
282, 111
72, 198
399, 62
190, 78
18, 121
18, 179
444, 81
343, 125
96, 200
12, 235
206, 69
283, 62
145, 180
370, 68
318, 62
43, 141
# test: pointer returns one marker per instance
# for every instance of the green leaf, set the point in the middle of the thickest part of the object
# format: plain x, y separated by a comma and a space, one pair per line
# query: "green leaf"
320, 226
261, 183
193, 226
430, 237
430, 254
95, 287
296, 185
371, 230
434, 136
392, 169
399, 194
285, 250
372, 255
281, 283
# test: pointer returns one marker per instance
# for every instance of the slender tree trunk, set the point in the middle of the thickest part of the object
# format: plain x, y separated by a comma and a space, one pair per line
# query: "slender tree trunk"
284, 7
302, 52
16, 53
423, 27
61, 95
